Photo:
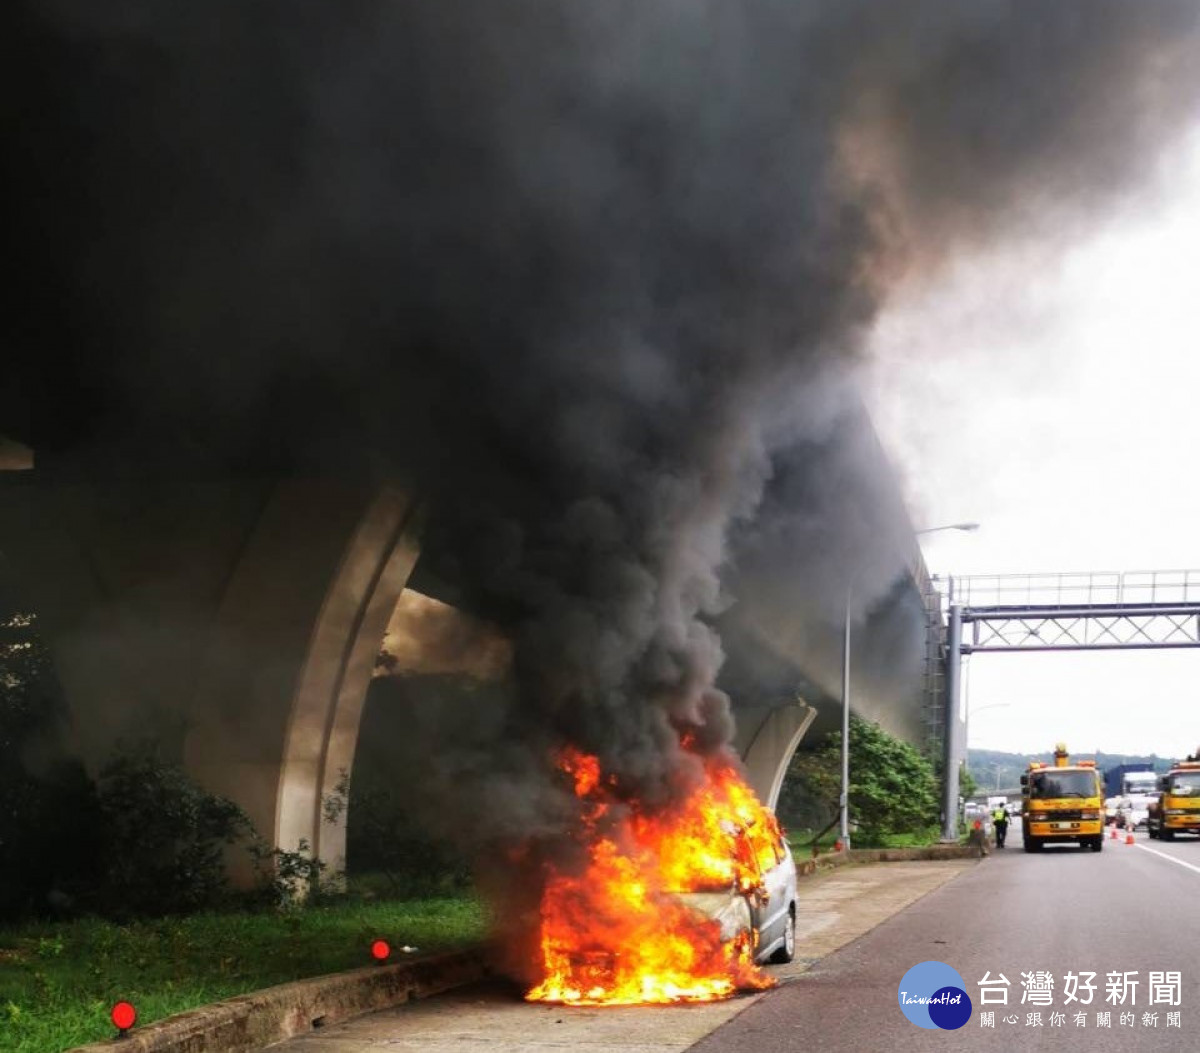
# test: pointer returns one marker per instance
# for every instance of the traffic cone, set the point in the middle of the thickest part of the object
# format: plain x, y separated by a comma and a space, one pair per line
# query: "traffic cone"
1114, 833
1129, 838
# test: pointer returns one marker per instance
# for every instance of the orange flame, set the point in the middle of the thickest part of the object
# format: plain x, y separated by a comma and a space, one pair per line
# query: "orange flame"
618, 933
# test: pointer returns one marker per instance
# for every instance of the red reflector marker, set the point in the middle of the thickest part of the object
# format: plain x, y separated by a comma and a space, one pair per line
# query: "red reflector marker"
380, 950
124, 1016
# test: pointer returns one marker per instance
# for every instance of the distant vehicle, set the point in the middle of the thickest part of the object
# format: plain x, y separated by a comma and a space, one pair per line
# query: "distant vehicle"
1126, 779
997, 802
1133, 811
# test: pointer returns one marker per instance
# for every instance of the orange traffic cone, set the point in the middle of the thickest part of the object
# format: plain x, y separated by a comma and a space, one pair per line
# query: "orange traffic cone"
1129, 838
1114, 833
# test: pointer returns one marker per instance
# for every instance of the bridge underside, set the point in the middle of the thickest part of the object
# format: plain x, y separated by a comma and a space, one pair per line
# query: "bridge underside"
239, 625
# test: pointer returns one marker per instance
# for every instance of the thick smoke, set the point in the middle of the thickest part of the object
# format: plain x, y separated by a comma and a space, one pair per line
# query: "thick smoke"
585, 274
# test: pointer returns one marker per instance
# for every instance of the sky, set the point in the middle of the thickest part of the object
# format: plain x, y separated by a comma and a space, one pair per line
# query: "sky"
1050, 394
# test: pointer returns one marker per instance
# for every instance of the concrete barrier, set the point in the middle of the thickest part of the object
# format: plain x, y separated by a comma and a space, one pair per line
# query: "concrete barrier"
253, 1021
884, 855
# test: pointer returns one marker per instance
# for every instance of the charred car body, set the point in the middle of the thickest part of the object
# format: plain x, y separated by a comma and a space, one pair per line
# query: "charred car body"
762, 910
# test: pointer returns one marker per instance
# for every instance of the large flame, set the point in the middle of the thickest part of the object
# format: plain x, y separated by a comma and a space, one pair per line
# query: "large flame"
618, 932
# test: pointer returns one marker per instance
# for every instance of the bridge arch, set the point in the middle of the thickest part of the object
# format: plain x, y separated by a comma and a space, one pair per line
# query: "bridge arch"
291, 655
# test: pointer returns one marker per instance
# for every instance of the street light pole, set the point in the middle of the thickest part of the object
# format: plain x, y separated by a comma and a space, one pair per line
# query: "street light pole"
844, 799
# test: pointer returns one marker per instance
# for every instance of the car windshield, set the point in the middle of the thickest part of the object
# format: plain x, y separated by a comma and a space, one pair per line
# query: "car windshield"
1051, 783
1186, 784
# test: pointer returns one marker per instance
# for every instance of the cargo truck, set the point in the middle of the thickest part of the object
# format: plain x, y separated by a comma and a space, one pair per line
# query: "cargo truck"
1062, 803
1177, 809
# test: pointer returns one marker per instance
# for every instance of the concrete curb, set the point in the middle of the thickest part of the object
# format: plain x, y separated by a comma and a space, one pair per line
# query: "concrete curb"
253, 1021
884, 855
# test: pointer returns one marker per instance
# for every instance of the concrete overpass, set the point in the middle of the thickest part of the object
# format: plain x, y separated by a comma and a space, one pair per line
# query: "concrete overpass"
238, 622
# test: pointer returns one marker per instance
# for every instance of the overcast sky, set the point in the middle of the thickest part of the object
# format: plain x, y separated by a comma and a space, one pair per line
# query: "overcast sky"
1051, 395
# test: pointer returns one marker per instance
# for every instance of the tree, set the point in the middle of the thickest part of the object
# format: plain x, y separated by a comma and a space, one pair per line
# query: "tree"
893, 789
967, 785
47, 813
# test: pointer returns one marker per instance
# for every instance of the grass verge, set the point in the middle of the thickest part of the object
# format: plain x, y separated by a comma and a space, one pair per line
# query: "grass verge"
58, 980
800, 841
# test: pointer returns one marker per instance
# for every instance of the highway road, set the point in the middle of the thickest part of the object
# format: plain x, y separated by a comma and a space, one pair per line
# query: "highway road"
1128, 909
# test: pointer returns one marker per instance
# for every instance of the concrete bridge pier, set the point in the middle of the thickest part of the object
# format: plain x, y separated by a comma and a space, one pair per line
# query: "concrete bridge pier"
235, 622
291, 655
767, 737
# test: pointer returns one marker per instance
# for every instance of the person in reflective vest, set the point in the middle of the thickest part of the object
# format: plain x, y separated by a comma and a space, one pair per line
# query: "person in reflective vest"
1000, 822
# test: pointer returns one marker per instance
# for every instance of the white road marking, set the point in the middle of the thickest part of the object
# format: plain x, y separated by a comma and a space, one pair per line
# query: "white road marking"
1163, 855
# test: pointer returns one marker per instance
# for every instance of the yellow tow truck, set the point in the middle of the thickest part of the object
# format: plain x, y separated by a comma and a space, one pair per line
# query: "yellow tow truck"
1062, 803
1177, 810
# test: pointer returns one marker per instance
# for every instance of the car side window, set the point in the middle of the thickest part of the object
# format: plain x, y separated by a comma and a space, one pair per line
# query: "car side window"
766, 857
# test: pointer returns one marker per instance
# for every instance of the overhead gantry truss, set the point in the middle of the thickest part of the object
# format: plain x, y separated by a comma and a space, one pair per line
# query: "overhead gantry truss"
1102, 611
1082, 627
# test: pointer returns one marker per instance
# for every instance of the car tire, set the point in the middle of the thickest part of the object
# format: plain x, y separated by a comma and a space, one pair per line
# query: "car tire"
1097, 844
788, 951
1166, 835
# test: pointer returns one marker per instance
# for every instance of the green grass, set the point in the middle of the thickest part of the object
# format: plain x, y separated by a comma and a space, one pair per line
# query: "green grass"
58, 980
800, 841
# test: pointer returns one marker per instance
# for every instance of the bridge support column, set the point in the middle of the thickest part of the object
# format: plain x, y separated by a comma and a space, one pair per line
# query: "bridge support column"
290, 659
767, 740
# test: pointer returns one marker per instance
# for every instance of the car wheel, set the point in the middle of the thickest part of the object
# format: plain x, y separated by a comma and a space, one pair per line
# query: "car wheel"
788, 951
1097, 844
1166, 835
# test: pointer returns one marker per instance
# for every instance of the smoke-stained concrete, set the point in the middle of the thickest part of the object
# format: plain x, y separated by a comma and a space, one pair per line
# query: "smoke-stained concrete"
589, 277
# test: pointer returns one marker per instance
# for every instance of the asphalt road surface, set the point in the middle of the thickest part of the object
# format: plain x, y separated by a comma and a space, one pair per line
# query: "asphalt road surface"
1128, 909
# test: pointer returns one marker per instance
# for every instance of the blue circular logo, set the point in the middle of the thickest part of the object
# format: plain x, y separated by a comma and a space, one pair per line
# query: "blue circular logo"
932, 995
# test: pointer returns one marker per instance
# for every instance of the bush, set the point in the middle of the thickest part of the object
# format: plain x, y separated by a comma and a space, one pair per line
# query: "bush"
893, 789
383, 839
49, 829
164, 838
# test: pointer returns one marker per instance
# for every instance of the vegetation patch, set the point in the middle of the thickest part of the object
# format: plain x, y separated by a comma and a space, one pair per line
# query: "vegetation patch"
58, 980
893, 800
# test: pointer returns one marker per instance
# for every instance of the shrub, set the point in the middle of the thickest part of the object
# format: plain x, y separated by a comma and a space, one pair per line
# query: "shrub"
893, 789
382, 838
164, 838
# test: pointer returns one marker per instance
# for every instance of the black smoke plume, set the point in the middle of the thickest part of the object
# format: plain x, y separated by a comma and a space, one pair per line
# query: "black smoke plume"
582, 273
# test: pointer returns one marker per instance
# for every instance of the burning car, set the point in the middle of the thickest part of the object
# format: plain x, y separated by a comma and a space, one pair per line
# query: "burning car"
670, 905
764, 914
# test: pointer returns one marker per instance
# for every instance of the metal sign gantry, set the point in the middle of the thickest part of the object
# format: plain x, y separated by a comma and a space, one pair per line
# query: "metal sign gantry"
1097, 611
1102, 627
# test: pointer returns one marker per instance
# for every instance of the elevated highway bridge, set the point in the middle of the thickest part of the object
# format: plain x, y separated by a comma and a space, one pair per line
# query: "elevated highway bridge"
239, 620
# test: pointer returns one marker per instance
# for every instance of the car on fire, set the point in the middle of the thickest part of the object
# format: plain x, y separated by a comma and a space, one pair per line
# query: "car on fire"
763, 909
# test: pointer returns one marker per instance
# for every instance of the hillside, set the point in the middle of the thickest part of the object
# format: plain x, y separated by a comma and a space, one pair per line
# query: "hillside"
994, 769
